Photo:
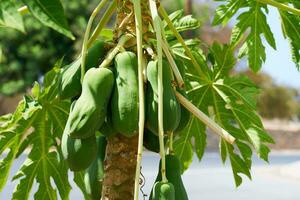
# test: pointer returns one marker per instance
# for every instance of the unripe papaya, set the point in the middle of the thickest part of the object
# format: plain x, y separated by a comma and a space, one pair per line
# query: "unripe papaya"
79, 153
185, 114
173, 169
69, 85
125, 97
90, 109
171, 106
163, 191
151, 141
93, 176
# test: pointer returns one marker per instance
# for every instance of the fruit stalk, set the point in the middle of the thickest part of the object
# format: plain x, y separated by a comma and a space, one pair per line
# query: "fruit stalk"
157, 28
139, 39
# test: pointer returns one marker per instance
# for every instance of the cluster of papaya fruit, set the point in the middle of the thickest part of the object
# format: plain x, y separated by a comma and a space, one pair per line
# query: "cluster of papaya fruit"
107, 101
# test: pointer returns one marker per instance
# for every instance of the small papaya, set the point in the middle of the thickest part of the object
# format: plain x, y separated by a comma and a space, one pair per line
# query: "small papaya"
163, 191
185, 114
125, 97
171, 106
69, 84
151, 141
90, 110
173, 169
94, 175
79, 153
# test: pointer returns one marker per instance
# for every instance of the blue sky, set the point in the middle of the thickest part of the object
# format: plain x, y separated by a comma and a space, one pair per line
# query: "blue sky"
279, 63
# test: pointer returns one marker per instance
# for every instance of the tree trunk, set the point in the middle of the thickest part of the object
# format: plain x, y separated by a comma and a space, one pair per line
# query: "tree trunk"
121, 152
119, 168
188, 8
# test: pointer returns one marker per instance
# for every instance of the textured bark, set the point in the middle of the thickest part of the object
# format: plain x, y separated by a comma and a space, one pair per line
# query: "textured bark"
119, 168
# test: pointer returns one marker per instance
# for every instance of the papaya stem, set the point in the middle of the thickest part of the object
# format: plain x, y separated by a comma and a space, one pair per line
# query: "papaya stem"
180, 39
158, 31
106, 16
110, 56
87, 35
173, 64
204, 118
23, 10
139, 41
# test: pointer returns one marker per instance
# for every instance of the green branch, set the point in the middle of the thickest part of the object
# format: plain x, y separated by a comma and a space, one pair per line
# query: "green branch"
281, 6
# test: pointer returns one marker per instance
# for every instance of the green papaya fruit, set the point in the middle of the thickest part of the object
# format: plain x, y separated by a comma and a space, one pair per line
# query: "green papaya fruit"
69, 84
94, 175
185, 114
125, 97
171, 106
79, 153
151, 141
163, 191
173, 169
90, 109
107, 129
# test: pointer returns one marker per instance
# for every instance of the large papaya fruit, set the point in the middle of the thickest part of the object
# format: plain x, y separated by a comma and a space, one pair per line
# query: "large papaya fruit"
163, 191
125, 97
79, 153
69, 85
173, 168
185, 114
171, 106
90, 109
93, 176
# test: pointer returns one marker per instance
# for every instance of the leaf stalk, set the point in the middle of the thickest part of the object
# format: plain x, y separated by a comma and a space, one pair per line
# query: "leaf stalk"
281, 6
205, 119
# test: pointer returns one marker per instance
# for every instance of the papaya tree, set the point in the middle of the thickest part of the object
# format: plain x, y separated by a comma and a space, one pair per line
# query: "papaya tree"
139, 86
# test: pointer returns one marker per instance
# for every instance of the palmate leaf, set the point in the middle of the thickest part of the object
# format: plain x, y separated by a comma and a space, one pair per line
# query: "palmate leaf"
36, 125
50, 13
230, 101
181, 22
291, 30
254, 20
9, 16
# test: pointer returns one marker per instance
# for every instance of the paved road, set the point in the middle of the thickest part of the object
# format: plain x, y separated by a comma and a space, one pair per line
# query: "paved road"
210, 180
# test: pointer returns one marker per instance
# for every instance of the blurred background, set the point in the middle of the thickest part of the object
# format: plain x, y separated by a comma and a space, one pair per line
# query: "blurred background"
24, 58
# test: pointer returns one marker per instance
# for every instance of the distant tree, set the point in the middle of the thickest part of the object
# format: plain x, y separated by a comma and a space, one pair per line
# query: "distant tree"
22, 53
274, 101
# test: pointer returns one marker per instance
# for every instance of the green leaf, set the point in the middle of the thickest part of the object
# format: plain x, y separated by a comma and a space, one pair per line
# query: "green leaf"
254, 19
50, 13
184, 150
231, 102
9, 15
186, 23
291, 30
224, 59
36, 125
79, 180
13, 128
225, 12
